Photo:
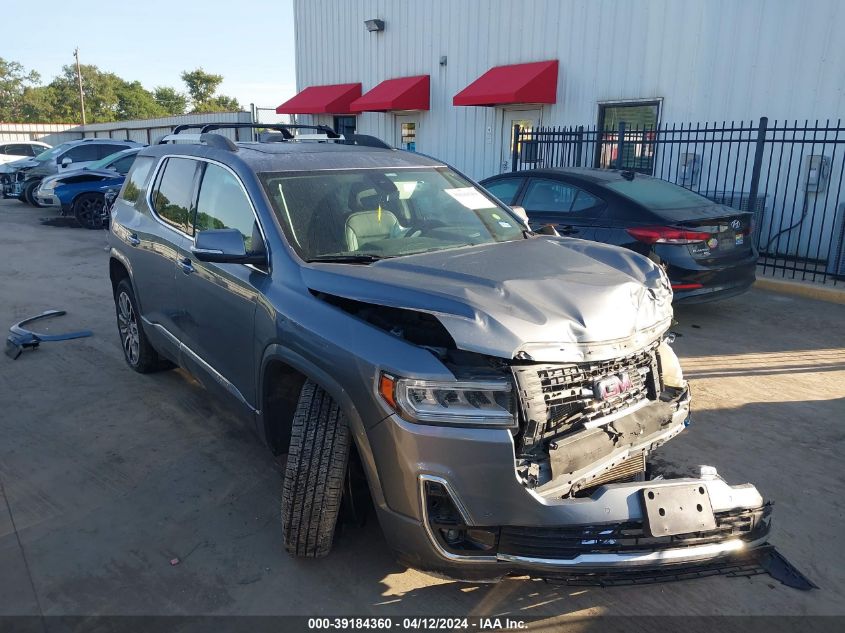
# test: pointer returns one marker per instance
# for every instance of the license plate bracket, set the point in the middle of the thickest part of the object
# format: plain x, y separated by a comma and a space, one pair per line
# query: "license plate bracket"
680, 509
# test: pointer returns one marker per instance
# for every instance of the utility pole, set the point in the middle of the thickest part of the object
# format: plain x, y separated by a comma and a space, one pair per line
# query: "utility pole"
79, 80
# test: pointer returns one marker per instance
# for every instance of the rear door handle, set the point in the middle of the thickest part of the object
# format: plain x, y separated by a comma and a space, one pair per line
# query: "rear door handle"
132, 238
186, 265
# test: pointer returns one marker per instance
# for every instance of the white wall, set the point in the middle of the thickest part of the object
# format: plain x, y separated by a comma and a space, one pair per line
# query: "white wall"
707, 60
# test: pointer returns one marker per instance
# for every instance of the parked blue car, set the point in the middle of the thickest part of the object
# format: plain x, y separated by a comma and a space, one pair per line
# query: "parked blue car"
81, 192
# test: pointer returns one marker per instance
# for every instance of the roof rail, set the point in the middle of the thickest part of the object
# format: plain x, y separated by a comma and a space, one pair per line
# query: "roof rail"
284, 128
217, 141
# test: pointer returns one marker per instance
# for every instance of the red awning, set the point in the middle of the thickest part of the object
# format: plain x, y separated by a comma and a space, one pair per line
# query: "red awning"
519, 83
403, 93
332, 99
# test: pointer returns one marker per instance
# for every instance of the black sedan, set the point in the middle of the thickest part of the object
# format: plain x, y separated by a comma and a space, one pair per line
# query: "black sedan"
706, 248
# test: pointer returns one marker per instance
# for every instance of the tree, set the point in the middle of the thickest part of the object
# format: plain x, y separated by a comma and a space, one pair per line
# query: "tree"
201, 88
201, 85
135, 102
171, 100
14, 81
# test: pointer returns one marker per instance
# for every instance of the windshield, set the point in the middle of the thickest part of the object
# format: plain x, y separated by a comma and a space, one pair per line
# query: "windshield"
658, 194
103, 163
368, 214
51, 153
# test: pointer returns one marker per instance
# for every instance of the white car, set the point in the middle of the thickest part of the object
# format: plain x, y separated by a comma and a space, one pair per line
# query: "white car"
21, 149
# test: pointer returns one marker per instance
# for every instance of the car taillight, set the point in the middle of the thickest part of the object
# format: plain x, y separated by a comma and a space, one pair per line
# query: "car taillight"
667, 235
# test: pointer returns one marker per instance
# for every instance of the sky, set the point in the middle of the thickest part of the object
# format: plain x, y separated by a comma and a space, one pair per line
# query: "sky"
153, 41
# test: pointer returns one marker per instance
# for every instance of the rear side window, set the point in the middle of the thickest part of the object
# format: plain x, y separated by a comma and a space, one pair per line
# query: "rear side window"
136, 179
223, 204
19, 150
172, 194
658, 195
505, 189
549, 195
82, 153
122, 166
109, 149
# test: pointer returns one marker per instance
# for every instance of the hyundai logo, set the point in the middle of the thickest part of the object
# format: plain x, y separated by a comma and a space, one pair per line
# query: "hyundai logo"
613, 385
736, 224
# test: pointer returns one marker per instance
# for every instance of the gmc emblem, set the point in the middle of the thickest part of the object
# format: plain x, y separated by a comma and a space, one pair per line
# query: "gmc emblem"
613, 385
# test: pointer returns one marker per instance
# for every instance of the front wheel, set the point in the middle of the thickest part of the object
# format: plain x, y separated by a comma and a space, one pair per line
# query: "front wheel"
88, 210
314, 474
28, 194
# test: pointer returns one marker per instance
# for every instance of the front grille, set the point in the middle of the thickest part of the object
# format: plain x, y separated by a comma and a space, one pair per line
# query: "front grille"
557, 398
569, 542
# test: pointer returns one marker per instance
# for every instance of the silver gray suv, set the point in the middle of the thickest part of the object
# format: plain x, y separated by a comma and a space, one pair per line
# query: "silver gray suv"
383, 319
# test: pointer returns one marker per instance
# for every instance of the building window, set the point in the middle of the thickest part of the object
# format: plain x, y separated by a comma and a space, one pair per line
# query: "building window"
344, 125
409, 136
641, 119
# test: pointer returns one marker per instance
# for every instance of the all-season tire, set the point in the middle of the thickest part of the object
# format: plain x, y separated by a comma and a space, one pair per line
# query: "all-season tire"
29, 193
314, 475
88, 210
137, 351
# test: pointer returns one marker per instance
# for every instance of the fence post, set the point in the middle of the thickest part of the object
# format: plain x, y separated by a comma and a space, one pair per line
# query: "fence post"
515, 148
758, 164
579, 146
620, 145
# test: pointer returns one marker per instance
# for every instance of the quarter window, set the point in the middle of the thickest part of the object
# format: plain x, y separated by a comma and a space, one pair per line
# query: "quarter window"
172, 196
223, 204
137, 178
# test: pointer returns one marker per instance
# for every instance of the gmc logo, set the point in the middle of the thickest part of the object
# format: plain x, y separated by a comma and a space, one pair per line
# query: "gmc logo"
611, 386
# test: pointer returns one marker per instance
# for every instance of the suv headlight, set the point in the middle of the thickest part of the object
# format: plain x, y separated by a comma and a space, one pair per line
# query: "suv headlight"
488, 403
48, 186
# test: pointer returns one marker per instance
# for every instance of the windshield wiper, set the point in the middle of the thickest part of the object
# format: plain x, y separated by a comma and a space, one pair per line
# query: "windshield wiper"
349, 259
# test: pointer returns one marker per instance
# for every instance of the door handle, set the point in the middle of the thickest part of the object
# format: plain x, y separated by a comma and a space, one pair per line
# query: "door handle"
132, 238
186, 265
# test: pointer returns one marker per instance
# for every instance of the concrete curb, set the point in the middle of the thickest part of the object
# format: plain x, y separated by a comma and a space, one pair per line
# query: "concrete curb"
801, 289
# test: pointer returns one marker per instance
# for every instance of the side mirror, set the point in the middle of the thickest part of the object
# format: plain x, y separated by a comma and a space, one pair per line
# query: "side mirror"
521, 214
224, 246
66, 161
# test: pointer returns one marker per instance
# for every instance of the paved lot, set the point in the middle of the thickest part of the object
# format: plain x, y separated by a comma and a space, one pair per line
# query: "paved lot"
107, 475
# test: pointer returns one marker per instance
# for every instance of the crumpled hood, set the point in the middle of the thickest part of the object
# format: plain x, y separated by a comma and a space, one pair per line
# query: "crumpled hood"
15, 165
545, 298
66, 175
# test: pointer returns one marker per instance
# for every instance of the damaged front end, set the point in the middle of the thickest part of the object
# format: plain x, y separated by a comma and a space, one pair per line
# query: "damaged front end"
578, 367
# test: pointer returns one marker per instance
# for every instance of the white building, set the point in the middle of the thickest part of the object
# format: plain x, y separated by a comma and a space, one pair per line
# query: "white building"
640, 61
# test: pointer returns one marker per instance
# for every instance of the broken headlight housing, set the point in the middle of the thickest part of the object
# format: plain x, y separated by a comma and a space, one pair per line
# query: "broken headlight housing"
488, 403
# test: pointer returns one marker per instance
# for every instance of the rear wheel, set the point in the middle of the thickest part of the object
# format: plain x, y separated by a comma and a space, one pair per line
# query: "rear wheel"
137, 351
88, 210
28, 195
314, 474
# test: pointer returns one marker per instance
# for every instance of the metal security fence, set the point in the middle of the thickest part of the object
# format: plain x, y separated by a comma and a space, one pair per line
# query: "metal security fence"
789, 174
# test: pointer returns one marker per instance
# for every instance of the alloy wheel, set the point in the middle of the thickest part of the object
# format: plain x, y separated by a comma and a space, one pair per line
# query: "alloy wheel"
128, 326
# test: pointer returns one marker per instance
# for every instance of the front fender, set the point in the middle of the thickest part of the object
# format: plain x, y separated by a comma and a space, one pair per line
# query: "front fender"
277, 352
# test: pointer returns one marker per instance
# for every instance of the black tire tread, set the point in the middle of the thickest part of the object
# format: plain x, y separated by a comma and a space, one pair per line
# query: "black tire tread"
314, 474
